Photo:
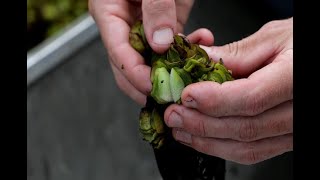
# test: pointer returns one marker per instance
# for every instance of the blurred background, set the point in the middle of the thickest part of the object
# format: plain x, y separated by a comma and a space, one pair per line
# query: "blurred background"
80, 126
47, 17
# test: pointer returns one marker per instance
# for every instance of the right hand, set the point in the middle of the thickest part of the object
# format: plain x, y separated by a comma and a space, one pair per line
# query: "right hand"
162, 19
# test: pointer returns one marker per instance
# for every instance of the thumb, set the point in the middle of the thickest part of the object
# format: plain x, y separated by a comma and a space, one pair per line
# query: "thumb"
251, 53
159, 21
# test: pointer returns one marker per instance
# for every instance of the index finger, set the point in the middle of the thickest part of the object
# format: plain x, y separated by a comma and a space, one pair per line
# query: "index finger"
114, 24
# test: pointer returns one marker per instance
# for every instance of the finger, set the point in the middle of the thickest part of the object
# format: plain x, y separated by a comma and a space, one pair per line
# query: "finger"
159, 21
274, 122
183, 8
126, 87
201, 36
249, 54
239, 152
262, 90
114, 19
124, 57
109, 9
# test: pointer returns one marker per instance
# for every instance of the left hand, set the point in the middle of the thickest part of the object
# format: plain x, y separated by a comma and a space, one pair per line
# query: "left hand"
247, 120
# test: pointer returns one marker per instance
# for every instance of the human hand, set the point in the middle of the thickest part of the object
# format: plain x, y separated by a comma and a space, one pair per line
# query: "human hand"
247, 120
114, 19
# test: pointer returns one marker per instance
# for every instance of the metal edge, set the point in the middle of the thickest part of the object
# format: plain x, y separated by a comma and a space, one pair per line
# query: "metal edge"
55, 50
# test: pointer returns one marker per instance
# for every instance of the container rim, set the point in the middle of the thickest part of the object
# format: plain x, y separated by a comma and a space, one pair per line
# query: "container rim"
56, 49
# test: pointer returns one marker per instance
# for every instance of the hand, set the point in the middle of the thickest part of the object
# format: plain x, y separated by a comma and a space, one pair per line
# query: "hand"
162, 18
247, 120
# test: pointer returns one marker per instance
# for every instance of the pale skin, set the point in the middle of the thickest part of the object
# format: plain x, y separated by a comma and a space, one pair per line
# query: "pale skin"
114, 18
250, 119
247, 120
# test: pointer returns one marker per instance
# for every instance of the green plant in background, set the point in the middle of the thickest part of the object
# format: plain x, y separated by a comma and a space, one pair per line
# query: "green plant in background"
46, 17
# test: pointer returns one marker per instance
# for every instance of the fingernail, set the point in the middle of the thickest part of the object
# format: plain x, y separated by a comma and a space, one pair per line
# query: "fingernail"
163, 36
183, 137
175, 120
190, 102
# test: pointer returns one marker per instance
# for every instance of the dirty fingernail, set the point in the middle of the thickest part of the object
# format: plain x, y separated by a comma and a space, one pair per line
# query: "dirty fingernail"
190, 102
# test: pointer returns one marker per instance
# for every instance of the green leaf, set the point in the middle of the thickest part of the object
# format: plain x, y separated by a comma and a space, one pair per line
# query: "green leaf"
159, 144
202, 52
214, 76
161, 86
150, 137
144, 119
136, 42
157, 122
173, 55
176, 85
155, 65
222, 74
184, 75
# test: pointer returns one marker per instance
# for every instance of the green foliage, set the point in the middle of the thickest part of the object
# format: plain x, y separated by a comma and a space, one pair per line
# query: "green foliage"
53, 14
182, 64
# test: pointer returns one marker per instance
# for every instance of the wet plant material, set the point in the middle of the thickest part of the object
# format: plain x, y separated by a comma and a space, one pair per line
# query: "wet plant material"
182, 64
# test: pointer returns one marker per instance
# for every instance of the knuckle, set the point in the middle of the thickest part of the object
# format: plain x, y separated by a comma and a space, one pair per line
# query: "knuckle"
233, 48
271, 24
201, 128
194, 123
283, 23
281, 126
254, 104
249, 155
238, 48
276, 28
247, 131
158, 6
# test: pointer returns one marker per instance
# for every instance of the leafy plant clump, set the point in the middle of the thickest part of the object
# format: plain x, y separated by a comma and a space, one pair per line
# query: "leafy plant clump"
182, 64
